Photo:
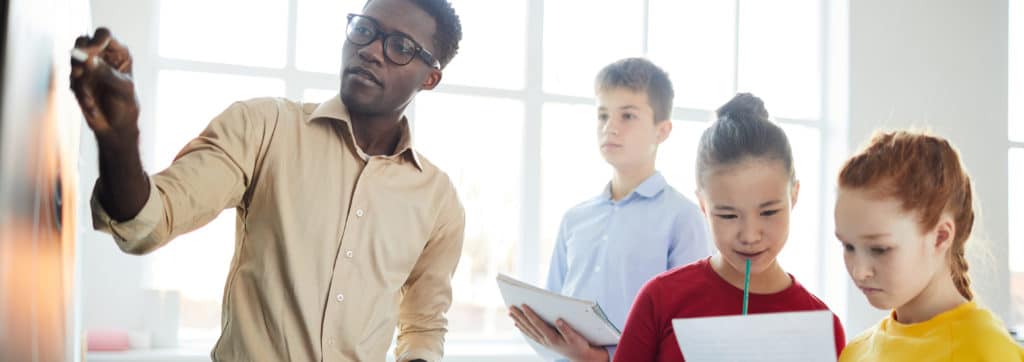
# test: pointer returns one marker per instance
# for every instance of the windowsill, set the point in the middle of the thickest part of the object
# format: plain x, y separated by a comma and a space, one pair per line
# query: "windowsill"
494, 351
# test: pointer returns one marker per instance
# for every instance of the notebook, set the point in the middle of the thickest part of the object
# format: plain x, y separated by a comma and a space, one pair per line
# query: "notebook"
586, 317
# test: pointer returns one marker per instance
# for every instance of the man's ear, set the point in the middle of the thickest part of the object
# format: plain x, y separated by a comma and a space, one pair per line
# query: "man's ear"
432, 79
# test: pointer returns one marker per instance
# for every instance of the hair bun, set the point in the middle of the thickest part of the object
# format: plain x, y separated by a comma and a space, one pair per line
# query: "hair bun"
744, 106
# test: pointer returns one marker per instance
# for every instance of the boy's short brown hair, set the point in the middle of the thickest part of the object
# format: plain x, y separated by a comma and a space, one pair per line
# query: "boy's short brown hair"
639, 75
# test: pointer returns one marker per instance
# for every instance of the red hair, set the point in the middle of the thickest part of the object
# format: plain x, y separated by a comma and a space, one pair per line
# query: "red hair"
923, 172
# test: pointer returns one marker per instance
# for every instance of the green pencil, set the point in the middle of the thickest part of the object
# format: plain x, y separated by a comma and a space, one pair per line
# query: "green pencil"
746, 288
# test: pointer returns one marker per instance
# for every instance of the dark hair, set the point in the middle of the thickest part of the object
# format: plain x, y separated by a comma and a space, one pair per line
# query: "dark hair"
925, 174
742, 131
639, 75
449, 28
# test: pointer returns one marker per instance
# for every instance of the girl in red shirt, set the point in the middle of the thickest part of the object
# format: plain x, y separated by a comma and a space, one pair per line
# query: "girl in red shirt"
746, 185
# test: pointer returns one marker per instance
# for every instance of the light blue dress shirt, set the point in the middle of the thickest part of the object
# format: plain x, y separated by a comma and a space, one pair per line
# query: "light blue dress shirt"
607, 250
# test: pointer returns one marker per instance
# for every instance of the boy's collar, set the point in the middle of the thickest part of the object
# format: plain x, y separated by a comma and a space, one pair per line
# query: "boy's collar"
651, 187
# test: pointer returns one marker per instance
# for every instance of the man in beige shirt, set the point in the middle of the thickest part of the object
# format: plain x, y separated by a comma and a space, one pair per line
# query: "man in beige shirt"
344, 231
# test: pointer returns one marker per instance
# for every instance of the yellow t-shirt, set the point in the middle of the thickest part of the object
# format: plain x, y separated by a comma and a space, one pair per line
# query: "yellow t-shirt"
965, 333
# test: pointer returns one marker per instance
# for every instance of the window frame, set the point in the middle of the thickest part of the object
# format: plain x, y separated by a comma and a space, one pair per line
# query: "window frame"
534, 97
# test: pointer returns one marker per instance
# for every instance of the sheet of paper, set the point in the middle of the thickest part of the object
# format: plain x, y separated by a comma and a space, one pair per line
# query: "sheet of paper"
769, 337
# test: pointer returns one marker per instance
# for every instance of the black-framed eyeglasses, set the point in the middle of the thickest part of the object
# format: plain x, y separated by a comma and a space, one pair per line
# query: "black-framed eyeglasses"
398, 48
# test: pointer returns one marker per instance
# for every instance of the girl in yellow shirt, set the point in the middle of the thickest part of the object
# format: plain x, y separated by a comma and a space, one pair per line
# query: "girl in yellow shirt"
903, 214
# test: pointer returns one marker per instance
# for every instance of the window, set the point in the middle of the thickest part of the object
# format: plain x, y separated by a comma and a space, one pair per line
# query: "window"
780, 55
221, 34
577, 44
493, 47
512, 122
695, 42
453, 132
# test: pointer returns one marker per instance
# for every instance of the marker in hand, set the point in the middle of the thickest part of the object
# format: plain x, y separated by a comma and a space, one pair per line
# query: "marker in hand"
82, 56
79, 55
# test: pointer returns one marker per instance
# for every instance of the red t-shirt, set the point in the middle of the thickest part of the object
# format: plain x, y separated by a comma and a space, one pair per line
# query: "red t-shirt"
695, 290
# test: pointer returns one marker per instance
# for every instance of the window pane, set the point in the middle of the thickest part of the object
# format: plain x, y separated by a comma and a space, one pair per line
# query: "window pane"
802, 254
577, 44
207, 251
1016, 244
493, 48
572, 170
780, 55
318, 95
181, 114
451, 132
320, 33
677, 156
242, 32
695, 42
1016, 70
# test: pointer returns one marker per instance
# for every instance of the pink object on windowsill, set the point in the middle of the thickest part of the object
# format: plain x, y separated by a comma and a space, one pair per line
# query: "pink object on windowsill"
107, 341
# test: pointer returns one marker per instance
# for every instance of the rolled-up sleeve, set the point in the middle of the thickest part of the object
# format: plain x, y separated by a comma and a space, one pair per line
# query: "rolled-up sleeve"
132, 235
428, 291
209, 175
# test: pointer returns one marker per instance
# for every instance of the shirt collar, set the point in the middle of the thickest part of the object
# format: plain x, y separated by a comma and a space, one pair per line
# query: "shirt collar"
651, 187
334, 109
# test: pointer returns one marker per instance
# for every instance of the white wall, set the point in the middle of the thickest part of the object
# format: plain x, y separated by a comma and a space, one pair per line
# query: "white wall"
940, 64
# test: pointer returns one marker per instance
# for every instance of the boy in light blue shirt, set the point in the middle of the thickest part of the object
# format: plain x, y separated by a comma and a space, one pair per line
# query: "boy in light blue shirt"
639, 227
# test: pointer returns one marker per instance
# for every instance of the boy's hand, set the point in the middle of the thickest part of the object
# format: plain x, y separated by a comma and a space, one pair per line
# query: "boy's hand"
564, 340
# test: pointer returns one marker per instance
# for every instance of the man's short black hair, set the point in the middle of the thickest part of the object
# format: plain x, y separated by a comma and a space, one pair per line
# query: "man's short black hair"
449, 28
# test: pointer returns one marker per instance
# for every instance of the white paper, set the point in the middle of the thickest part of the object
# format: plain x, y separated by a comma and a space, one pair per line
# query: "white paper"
768, 337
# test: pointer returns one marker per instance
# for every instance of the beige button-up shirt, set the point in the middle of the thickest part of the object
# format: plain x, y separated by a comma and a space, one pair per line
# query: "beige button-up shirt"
334, 248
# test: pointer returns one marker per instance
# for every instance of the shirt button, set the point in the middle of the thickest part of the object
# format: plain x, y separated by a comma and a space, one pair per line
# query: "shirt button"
340, 298
604, 237
330, 341
359, 213
349, 253
597, 269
